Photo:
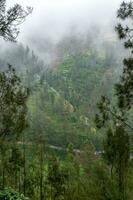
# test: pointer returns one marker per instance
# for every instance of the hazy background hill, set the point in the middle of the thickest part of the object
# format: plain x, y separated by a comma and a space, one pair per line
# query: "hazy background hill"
66, 83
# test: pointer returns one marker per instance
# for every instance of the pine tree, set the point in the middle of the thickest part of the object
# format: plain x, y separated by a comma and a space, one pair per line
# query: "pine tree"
13, 109
117, 144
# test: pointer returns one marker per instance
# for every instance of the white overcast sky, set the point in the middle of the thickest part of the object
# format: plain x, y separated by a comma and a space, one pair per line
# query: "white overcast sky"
51, 18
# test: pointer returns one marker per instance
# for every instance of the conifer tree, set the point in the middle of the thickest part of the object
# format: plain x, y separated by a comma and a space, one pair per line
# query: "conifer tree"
13, 108
117, 144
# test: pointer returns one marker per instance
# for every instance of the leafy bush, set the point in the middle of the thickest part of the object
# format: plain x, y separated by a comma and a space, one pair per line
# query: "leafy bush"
9, 194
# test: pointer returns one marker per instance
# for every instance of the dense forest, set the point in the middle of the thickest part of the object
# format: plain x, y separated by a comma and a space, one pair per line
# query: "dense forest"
66, 118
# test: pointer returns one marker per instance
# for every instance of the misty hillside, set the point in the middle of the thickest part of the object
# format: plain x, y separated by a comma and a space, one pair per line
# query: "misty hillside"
66, 100
65, 93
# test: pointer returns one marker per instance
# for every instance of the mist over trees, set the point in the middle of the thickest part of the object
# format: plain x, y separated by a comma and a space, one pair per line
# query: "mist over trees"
66, 112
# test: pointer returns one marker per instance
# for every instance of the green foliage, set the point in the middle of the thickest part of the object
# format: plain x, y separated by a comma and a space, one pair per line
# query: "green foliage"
9, 194
117, 143
57, 178
13, 104
125, 86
